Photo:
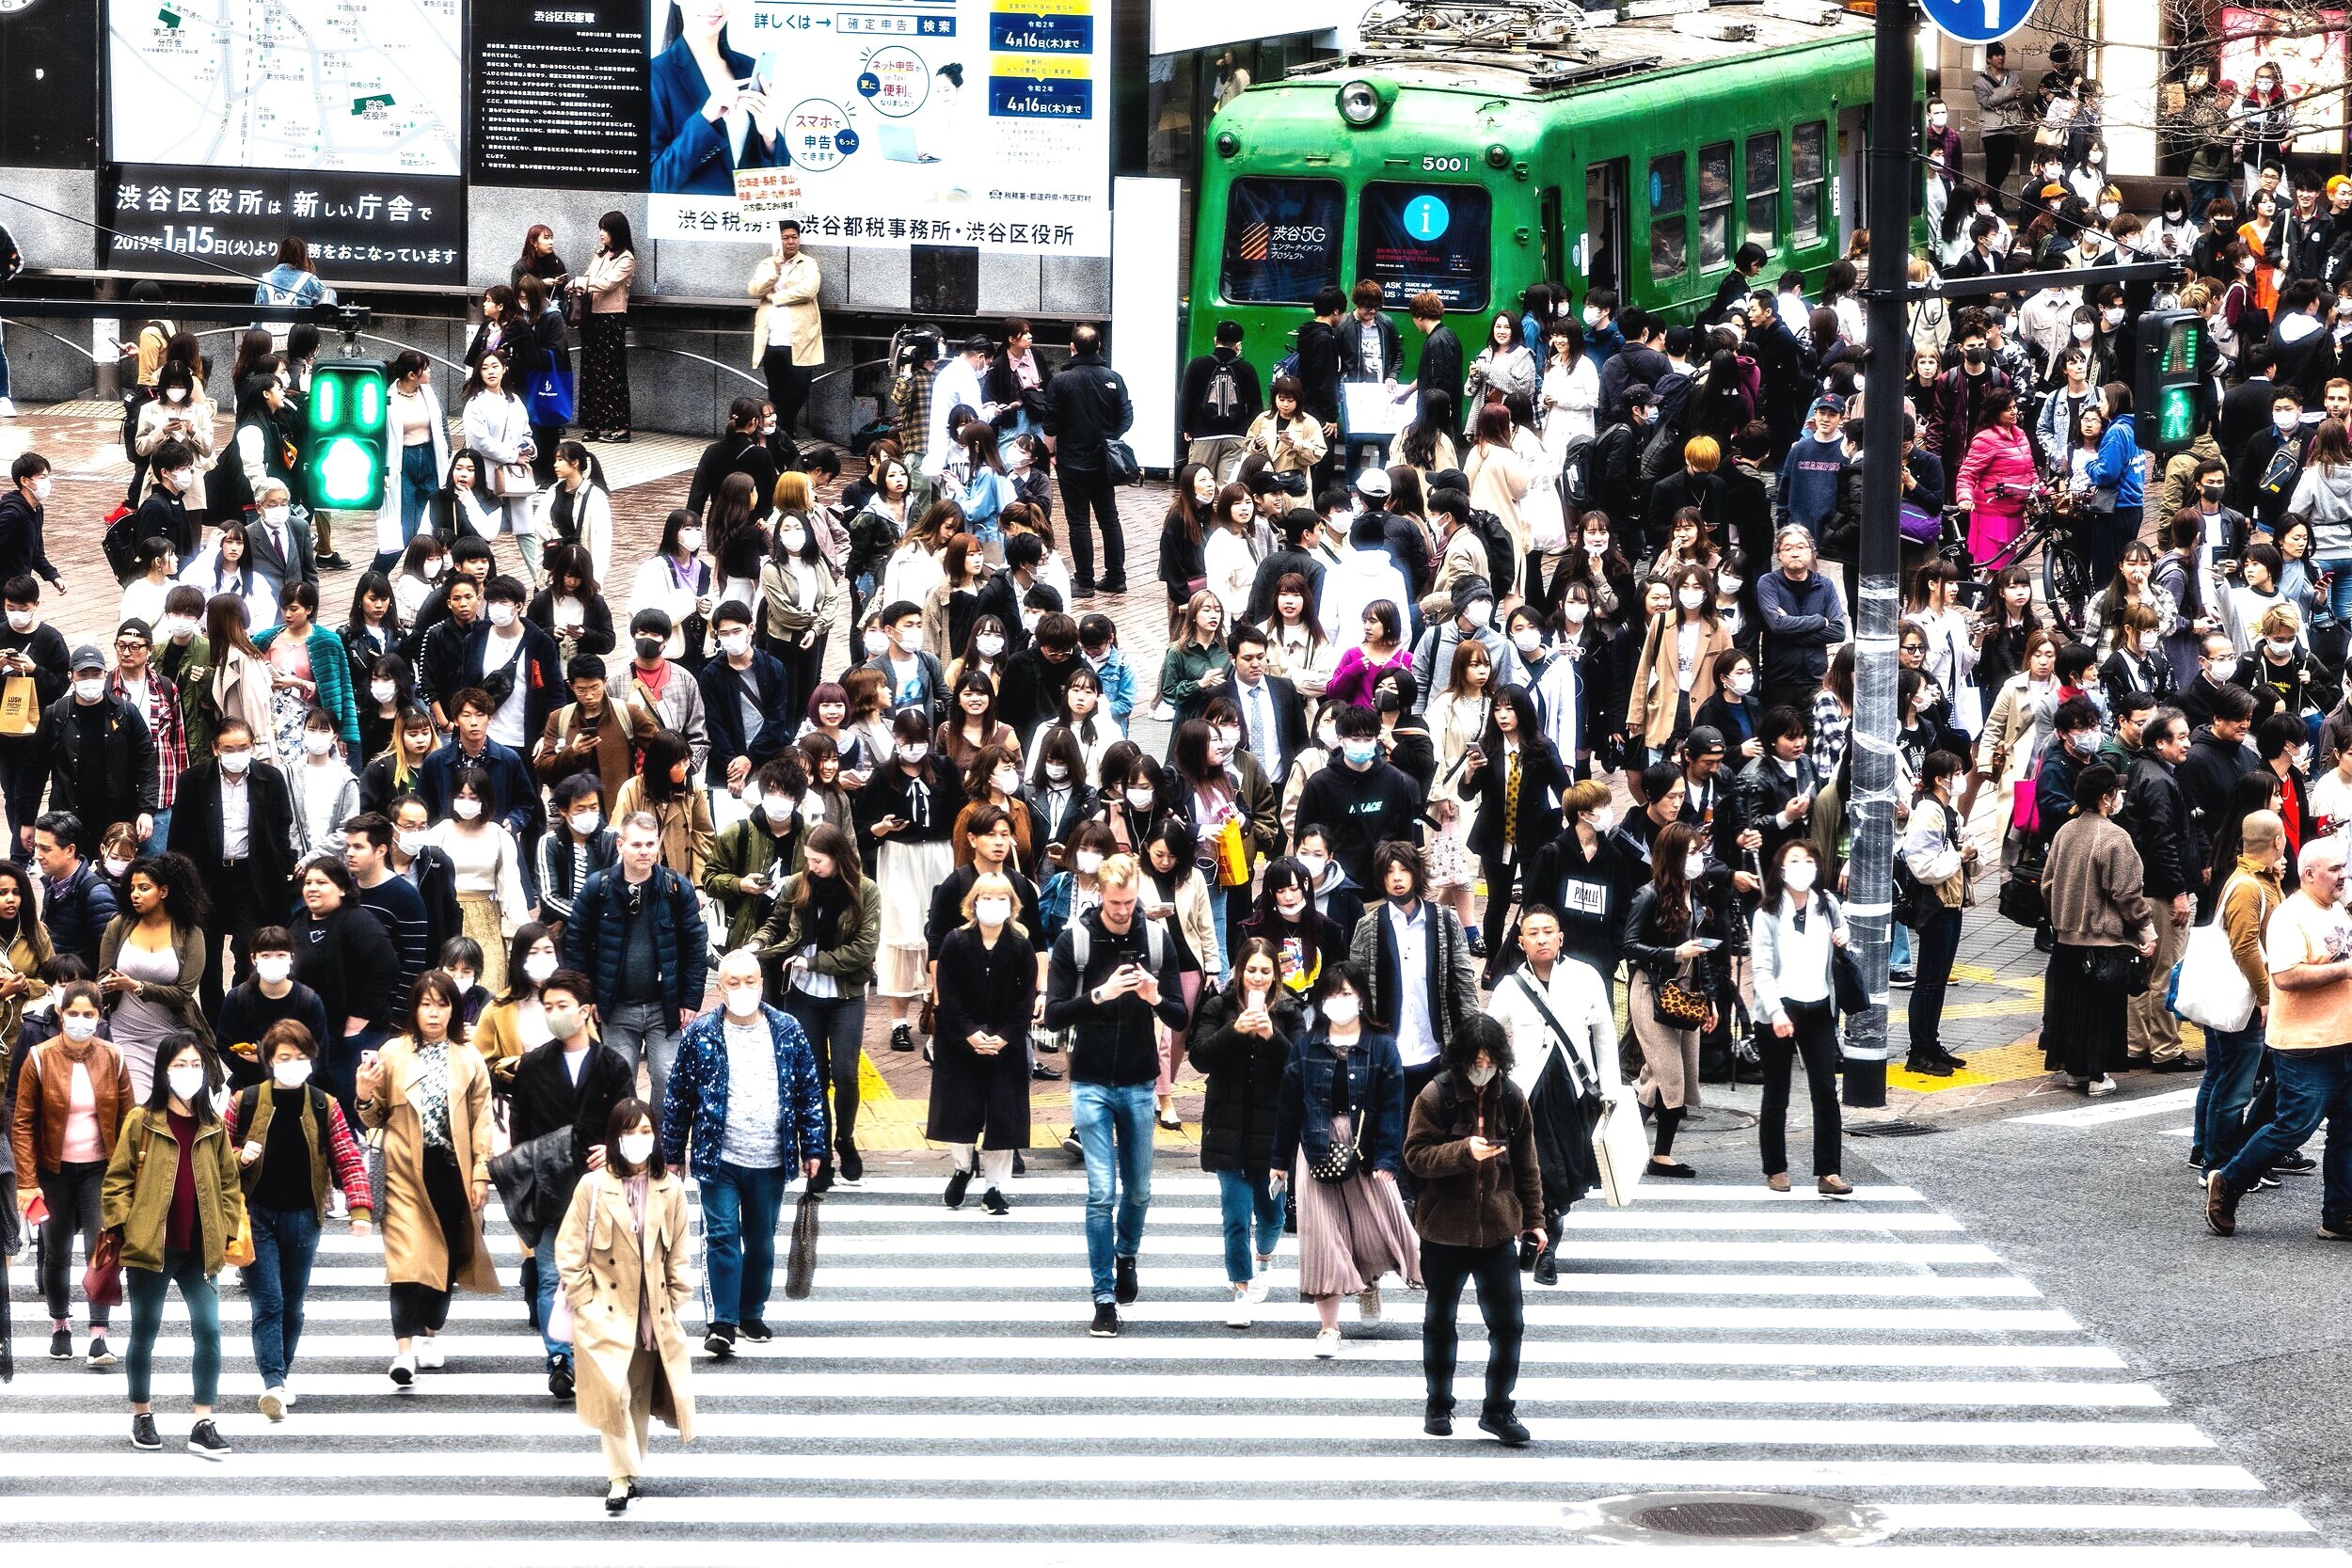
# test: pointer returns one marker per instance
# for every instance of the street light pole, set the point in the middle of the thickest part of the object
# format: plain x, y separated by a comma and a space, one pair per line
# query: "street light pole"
1869, 805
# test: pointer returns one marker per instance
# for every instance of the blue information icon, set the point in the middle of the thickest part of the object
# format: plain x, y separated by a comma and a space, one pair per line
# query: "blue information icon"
846, 139
1427, 218
1977, 20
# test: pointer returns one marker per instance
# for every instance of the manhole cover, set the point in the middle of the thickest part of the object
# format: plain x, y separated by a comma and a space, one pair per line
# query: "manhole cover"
1726, 1519
1656, 1518
1890, 1129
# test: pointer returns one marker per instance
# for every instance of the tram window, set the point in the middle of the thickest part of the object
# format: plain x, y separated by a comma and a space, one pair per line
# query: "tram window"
1669, 227
1808, 183
1763, 187
1410, 238
1714, 205
1281, 239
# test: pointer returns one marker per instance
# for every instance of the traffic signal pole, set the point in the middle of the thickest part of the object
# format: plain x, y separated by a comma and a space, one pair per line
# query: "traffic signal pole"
1870, 804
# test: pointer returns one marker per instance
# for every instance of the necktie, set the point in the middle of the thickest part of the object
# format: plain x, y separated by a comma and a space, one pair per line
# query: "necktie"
1261, 727
1511, 801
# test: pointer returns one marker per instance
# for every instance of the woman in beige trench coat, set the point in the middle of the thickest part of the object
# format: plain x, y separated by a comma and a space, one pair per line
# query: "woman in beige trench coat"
430, 1098
621, 1256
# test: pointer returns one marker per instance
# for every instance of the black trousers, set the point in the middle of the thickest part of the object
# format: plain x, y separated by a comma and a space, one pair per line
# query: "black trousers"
1416, 1080
1932, 955
787, 387
2000, 156
421, 1309
1444, 1269
236, 915
1084, 492
1500, 874
1816, 1039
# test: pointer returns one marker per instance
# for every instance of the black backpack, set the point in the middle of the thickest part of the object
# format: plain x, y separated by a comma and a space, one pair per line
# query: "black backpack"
1221, 397
1576, 480
121, 544
1502, 551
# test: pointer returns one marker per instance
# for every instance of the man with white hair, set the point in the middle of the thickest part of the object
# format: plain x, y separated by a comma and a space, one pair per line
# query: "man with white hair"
743, 1107
279, 544
1804, 616
2308, 947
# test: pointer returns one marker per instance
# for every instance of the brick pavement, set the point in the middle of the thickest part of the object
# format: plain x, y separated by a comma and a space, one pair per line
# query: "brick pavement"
1992, 1016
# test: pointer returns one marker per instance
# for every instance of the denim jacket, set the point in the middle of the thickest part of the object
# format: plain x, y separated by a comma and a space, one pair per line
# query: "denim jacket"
1376, 1086
696, 1100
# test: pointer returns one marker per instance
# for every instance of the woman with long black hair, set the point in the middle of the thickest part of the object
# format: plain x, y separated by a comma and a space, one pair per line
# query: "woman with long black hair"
1792, 944
1514, 776
604, 403
1669, 933
544, 370
1305, 941
906, 809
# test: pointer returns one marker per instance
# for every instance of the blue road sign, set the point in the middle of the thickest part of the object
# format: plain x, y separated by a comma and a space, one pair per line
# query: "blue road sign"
1977, 20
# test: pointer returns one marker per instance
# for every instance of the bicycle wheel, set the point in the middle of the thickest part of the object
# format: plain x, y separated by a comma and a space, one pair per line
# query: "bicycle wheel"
2065, 579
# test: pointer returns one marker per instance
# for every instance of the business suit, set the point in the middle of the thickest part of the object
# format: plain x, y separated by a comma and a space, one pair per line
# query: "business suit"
246, 893
691, 155
293, 561
1289, 724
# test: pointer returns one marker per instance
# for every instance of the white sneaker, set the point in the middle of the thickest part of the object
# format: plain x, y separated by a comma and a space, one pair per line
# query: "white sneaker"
1237, 1315
1165, 712
338, 1206
2099, 1087
7, 408
1258, 1280
286, 1393
273, 1403
1327, 1343
403, 1372
429, 1354
1368, 1305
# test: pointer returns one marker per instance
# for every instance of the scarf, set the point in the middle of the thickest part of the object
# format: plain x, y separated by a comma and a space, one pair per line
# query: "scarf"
828, 903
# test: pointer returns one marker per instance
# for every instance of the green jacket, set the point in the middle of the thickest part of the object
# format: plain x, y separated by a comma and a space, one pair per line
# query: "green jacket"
135, 1196
746, 848
1181, 673
851, 963
191, 670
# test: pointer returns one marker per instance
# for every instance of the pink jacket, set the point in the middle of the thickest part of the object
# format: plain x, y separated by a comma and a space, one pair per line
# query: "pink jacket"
1997, 456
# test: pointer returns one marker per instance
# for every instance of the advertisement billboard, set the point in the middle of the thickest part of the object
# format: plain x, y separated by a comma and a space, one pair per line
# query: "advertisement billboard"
559, 94
884, 122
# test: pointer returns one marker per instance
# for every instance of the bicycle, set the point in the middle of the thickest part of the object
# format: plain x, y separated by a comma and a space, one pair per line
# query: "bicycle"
2052, 526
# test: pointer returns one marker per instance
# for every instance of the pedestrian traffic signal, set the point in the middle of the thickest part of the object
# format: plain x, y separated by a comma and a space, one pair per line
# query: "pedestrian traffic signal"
348, 404
2170, 387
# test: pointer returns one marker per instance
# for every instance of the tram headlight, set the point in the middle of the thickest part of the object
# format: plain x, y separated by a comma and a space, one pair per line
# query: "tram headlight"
1359, 104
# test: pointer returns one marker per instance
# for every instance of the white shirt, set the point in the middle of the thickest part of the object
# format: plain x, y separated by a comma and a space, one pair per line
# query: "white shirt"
1578, 998
575, 1062
1416, 1034
2332, 798
750, 1137
503, 649
237, 813
1804, 969
1260, 724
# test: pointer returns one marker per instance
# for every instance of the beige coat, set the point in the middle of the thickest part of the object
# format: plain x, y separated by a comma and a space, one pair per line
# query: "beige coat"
1651, 705
1499, 480
201, 415
607, 282
788, 315
242, 689
414, 1251
602, 1275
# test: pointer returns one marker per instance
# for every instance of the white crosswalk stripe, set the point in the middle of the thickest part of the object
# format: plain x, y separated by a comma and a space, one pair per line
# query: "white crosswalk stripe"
939, 1392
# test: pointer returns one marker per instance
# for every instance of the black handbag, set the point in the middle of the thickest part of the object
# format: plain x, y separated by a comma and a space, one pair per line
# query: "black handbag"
2122, 968
1119, 462
1845, 973
2021, 896
1340, 1161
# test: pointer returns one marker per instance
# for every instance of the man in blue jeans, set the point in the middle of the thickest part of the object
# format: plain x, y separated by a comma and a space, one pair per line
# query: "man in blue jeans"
2307, 946
746, 1094
1113, 979
2233, 1056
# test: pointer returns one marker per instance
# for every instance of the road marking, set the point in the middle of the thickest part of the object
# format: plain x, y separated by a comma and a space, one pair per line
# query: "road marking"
2129, 1110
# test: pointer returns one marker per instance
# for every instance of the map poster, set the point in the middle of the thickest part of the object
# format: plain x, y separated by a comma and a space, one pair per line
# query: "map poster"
559, 93
366, 86
361, 228
884, 122
48, 83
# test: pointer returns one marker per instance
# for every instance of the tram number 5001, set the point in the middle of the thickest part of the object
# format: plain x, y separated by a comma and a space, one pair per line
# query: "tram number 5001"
1434, 163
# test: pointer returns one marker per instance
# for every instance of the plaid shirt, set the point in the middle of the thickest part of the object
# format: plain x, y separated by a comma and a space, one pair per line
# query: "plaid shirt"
910, 402
1827, 746
164, 728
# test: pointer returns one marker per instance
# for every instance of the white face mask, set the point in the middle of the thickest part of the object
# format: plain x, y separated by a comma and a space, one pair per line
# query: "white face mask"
1341, 1009
1090, 862
1314, 867
90, 688
585, 822
274, 515
115, 865
538, 966
991, 911
1007, 779
383, 691
1057, 772
1742, 682
291, 1075
1693, 867
1290, 902
1797, 876
173, 628
408, 840
235, 763
1575, 611
1592, 317
2285, 418
1141, 798
2082, 332
183, 478
1527, 640
1604, 818
434, 568
465, 809
793, 539
741, 1001
988, 644
780, 811
2147, 642
2280, 647
690, 540
501, 615
735, 644
317, 742
1691, 598
42, 487
636, 1148
1479, 611
187, 1083
874, 642
1480, 1076
19, 620
274, 969
79, 1029
913, 750
911, 640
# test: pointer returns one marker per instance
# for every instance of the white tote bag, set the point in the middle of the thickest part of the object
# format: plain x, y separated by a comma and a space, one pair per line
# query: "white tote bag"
2208, 987
1620, 1148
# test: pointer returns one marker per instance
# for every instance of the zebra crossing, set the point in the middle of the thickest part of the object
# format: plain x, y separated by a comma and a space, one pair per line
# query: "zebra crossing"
939, 1392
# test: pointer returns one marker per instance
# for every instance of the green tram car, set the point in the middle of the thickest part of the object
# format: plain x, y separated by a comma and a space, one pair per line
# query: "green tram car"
1473, 150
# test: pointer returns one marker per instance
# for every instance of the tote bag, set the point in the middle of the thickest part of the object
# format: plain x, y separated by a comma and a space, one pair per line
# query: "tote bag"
2207, 987
1620, 1149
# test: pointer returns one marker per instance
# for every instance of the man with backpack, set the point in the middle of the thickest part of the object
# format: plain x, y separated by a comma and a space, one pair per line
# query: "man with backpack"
1473, 617
1220, 398
1613, 473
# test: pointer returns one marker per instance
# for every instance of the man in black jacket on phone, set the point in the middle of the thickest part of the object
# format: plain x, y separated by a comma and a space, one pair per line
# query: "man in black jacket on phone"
1087, 405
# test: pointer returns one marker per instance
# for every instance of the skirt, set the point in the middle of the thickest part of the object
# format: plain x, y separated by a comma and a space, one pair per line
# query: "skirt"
907, 875
2082, 1021
1670, 1057
478, 918
604, 371
1350, 1234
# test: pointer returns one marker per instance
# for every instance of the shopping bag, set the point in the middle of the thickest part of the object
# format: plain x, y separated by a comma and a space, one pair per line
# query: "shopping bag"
101, 1281
1620, 1149
549, 399
560, 1317
2208, 987
238, 1251
20, 705
1233, 854
800, 1266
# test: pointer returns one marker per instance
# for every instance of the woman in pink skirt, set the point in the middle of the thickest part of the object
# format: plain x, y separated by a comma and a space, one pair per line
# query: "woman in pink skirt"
1994, 475
1343, 1112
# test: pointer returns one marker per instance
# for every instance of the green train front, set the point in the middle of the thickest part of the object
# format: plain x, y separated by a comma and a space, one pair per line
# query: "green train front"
1474, 179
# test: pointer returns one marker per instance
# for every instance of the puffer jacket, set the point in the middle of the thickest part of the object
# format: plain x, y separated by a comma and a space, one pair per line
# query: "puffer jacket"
1238, 1113
595, 938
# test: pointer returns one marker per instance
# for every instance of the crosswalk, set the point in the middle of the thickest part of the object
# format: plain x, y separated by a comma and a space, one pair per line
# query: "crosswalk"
938, 1393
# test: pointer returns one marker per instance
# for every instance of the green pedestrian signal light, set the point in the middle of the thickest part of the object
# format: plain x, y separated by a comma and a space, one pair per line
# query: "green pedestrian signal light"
2170, 388
349, 402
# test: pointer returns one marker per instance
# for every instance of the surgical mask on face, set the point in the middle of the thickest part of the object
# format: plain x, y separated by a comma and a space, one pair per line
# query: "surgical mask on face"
2147, 642
2246, 264
236, 762
187, 1083
2083, 331
2213, 492
173, 627
911, 640
502, 615
988, 644
779, 810
2285, 418
1479, 611
434, 568
538, 966
1592, 317
291, 1075
2108, 209
1007, 779
1691, 598
636, 1148
1527, 640
317, 742
1289, 903
1480, 1076
1057, 772
690, 540
383, 691
873, 642
19, 620
115, 865
991, 911
1797, 876
183, 478
1742, 682
1359, 752
2280, 647
743, 1001
465, 809
1693, 867
1140, 798
1596, 547
275, 968
1575, 611
913, 750
794, 540
1604, 818
648, 648
79, 1029
1090, 862
2113, 315
42, 487
90, 688
409, 840
1341, 1009
735, 644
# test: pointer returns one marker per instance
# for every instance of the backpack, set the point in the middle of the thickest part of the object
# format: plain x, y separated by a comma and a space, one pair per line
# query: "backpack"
1082, 946
1576, 478
1222, 396
1502, 551
1287, 365
121, 543
11, 258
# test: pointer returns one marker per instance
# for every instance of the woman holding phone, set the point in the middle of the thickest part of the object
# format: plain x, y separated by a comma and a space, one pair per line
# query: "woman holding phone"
1669, 933
907, 808
1241, 1039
